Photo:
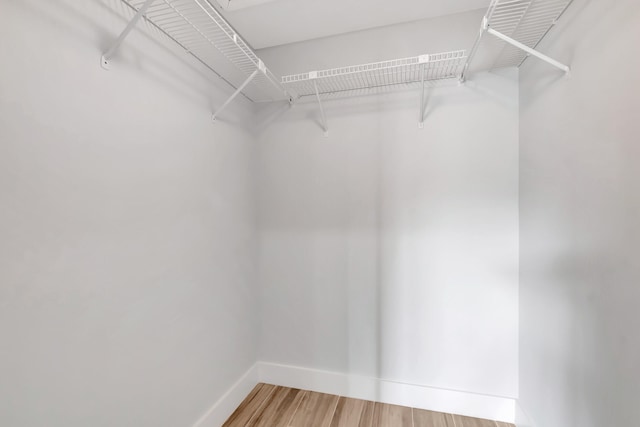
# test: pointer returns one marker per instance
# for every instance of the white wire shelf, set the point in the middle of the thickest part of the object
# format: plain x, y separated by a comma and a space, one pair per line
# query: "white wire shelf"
526, 22
363, 77
200, 29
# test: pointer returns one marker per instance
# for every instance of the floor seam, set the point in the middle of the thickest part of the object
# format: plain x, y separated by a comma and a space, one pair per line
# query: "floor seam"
334, 410
262, 404
304, 394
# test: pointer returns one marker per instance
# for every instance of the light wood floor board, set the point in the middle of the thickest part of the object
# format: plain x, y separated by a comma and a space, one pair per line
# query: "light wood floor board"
250, 406
275, 406
385, 415
316, 409
279, 408
353, 413
422, 418
460, 421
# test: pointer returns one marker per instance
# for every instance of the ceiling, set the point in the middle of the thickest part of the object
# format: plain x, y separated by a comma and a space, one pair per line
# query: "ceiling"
267, 23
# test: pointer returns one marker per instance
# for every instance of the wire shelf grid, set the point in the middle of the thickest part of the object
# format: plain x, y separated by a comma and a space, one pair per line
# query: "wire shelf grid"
527, 21
200, 29
363, 77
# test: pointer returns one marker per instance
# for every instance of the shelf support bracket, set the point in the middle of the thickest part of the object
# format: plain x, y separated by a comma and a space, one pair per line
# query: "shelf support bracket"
525, 48
423, 60
237, 92
104, 61
314, 75
474, 49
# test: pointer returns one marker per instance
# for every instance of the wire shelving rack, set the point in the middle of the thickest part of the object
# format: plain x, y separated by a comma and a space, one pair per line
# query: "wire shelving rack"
422, 69
203, 32
521, 24
199, 28
405, 71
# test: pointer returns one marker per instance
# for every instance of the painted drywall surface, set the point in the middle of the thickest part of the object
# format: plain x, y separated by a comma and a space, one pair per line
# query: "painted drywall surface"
426, 36
580, 222
268, 23
385, 250
126, 226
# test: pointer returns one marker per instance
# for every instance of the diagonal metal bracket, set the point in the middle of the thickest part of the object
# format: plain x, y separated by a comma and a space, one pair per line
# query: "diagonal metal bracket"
527, 49
104, 60
314, 76
486, 28
530, 51
236, 93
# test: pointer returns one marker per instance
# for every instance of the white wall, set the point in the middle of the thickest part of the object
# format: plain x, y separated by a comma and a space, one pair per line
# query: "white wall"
126, 226
580, 222
442, 34
386, 250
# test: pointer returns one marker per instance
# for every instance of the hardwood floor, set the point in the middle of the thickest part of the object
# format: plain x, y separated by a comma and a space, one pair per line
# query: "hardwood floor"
275, 406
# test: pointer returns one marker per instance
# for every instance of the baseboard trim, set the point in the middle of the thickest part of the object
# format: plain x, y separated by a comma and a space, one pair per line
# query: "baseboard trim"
522, 417
417, 396
360, 387
224, 407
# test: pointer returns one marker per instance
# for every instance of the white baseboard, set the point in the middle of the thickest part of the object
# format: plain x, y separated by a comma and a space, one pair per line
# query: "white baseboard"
416, 396
522, 418
224, 407
358, 387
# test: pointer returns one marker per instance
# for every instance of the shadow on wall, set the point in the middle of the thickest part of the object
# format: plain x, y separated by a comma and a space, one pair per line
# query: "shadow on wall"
403, 97
210, 91
616, 14
388, 251
579, 222
574, 348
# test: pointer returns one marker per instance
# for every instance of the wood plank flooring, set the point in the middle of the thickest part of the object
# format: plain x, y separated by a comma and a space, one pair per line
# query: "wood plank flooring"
275, 406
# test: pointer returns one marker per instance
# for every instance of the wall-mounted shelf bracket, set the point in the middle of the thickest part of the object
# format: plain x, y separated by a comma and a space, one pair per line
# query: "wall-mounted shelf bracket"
422, 60
261, 68
521, 25
523, 47
423, 71
313, 75
472, 53
104, 60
